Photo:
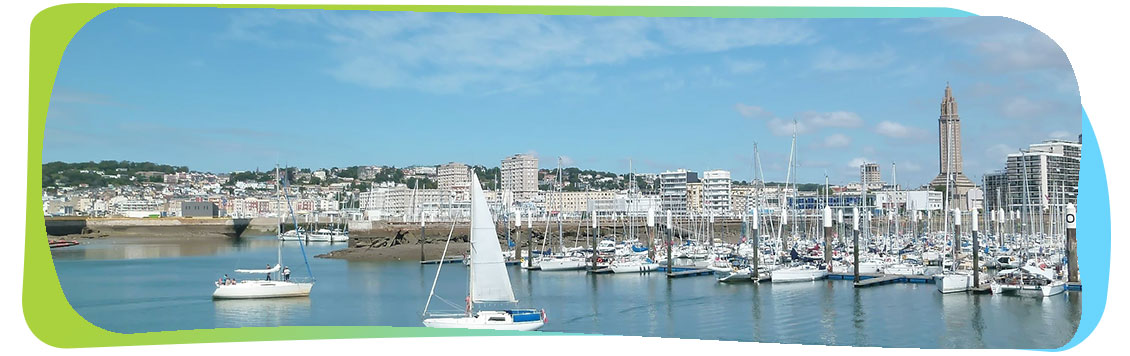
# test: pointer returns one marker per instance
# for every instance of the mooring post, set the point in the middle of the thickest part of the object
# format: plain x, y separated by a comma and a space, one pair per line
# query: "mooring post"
593, 239
784, 232
855, 244
828, 238
422, 237
530, 240
667, 242
756, 246
1072, 258
518, 236
650, 234
976, 254
956, 237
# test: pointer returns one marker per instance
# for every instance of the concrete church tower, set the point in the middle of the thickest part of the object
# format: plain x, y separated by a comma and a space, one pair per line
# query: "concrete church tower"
949, 152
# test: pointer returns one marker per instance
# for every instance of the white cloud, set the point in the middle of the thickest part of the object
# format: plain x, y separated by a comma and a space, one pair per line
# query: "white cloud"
896, 130
999, 152
858, 161
567, 161
445, 52
805, 122
832, 60
1003, 44
1062, 135
1020, 107
837, 141
782, 127
753, 112
832, 119
743, 66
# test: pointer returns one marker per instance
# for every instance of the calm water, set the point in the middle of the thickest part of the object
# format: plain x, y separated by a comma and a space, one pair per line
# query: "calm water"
134, 286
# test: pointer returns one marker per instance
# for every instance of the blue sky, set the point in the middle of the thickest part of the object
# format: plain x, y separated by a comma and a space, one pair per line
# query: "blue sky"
235, 89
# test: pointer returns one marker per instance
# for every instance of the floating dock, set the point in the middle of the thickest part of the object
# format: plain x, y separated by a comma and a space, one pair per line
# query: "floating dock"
449, 260
1074, 286
875, 279
676, 273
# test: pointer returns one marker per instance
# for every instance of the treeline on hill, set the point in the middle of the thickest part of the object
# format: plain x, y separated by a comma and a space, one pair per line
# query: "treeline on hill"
56, 174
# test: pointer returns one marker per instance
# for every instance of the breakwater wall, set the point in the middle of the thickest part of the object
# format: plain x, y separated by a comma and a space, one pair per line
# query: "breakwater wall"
147, 227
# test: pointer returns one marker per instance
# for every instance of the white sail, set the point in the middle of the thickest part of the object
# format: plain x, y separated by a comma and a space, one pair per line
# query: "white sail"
489, 280
260, 271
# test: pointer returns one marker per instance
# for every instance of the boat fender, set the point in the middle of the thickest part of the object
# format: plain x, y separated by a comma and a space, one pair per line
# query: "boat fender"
543, 319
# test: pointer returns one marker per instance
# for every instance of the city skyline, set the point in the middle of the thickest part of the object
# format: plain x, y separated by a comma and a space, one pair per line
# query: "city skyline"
227, 90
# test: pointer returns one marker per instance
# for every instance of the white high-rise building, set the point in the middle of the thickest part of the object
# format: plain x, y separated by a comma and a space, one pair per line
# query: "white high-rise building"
673, 189
716, 192
455, 177
520, 176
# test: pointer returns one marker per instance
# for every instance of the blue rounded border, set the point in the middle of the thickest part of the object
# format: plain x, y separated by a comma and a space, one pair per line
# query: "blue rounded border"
1094, 236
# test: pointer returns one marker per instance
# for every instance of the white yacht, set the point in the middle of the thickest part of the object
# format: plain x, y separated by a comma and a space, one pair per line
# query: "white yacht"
489, 281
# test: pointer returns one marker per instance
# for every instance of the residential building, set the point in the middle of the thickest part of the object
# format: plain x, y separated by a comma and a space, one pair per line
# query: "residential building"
1045, 174
716, 197
673, 189
520, 176
455, 177
574, 202
694, 198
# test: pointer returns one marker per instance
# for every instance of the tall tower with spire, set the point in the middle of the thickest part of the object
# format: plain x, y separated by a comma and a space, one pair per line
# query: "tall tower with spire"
949, 152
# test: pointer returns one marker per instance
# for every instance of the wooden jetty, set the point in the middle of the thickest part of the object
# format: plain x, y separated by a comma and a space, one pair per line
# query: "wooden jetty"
875, 279
449, 260
690, 272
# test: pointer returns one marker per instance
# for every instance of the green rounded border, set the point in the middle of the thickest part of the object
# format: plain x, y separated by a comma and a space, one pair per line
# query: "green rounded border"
46, 310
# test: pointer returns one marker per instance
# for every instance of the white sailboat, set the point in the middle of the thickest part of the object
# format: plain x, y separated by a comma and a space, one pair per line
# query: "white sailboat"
281, 286
489, 282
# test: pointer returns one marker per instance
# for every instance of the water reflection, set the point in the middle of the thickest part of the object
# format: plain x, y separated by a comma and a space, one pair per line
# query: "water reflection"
172, 293
261, 312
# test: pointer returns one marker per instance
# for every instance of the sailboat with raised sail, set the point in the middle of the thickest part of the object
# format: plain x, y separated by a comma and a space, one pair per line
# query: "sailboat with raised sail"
488, 280
281, 286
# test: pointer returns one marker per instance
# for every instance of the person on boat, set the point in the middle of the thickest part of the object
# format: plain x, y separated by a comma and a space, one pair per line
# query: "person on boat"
286, 273
227, 280
268, 274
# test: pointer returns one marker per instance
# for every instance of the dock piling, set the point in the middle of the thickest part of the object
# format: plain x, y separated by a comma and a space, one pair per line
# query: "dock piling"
828, 238
976, 264
1072, 248
855, 244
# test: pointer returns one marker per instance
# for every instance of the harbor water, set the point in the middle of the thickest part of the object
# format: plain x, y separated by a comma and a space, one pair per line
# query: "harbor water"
138, 285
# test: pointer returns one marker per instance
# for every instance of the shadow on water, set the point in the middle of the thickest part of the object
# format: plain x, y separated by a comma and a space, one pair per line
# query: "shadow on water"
240, 225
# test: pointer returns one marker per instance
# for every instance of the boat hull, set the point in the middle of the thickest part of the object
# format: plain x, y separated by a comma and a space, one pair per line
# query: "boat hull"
634, 267
488, 320
562, 265
1042, 291
953, 283
806, 275
262, 289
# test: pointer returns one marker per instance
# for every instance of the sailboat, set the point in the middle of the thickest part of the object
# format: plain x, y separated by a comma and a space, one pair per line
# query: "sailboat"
281, 286
488, 281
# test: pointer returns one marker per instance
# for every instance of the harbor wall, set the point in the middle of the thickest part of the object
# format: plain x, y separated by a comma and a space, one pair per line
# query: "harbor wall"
147, 227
